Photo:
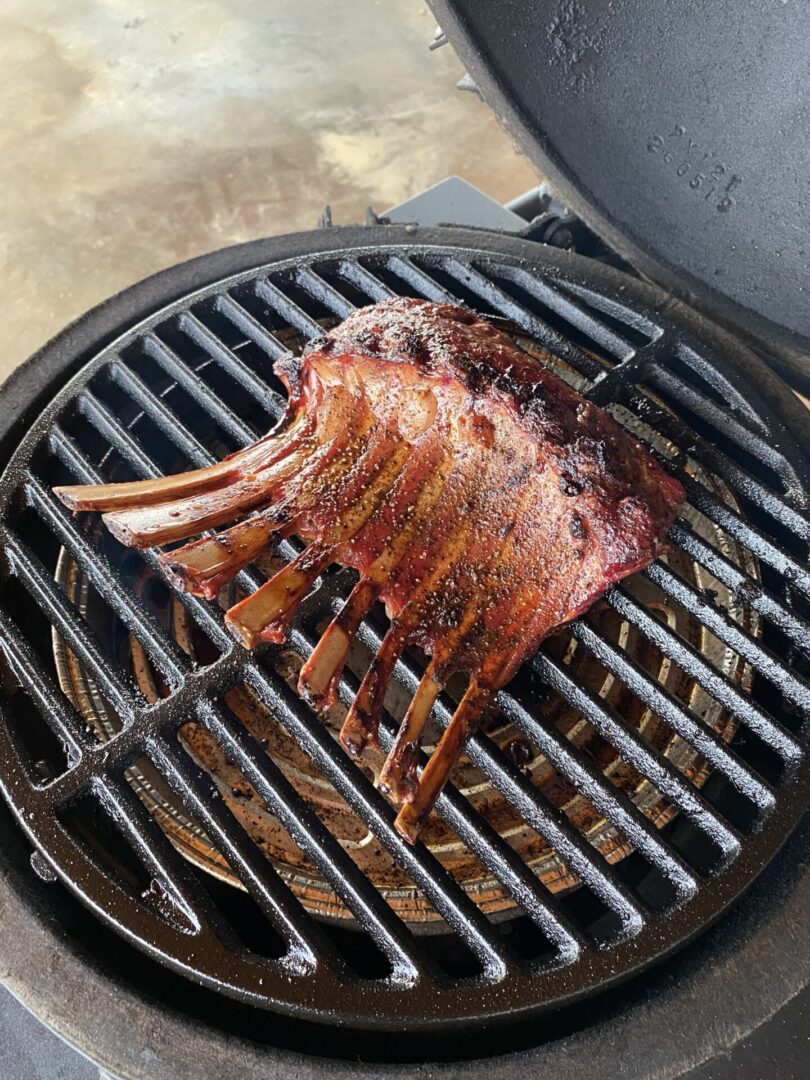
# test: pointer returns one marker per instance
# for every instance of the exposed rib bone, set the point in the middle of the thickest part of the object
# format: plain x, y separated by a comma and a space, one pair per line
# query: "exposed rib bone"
259, 470
266, 614
362, 722
414, 814
204, 566
399, 773
437, 564
153, 526
207, 565
398, 776
320, 675
259, 455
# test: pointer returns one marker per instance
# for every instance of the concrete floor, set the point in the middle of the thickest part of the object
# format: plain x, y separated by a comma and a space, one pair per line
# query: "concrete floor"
136, 134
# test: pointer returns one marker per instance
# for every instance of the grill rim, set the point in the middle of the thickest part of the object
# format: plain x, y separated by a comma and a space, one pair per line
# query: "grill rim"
125, 1025
101, 326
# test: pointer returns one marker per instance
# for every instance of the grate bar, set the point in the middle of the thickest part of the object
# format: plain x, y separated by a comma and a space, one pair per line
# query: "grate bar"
323, 292
738, 401
156, 409
490, 848
717, 461
166, 653
241, 318
177, 432
111, 429
318, 844
157, 854
497, 857
57, 712
458, 911
419, 280
603, 388
739, 582
199, 391
613, 805
575, 852
517, 313
611, 802
65, 616
573, 312
754, 539
671, 645
724, 421
308, 946
362, 278
280, 907
721, 514
553, 827
707, 743
757, 655
720, 463
633, 749
244, 376
606, 386
608, 306
124, 746
295, 316
134, 454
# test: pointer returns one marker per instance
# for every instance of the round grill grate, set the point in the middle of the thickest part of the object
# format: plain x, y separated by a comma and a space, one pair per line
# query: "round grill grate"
632, 780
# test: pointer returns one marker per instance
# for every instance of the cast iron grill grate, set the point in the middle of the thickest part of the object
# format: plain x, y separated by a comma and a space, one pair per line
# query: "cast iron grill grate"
195, 381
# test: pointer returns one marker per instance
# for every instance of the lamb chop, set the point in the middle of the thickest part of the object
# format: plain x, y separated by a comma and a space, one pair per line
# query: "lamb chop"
480, 498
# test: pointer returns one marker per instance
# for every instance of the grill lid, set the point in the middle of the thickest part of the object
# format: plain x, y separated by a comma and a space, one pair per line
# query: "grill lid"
678, 132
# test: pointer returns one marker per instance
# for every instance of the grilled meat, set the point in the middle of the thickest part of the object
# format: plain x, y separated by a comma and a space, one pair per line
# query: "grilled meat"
479, 497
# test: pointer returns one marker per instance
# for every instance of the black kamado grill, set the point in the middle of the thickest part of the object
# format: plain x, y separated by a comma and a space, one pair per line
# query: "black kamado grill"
197, 881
